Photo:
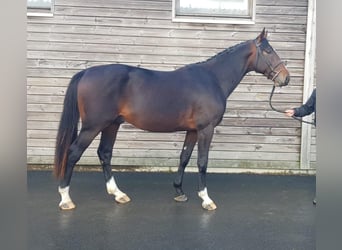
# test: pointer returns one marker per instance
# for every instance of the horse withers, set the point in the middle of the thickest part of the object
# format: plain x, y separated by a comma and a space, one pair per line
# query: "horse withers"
192, 99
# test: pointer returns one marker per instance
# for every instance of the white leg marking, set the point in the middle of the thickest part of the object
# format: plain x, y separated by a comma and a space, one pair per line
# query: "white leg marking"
207, 202
113, 189
66, 202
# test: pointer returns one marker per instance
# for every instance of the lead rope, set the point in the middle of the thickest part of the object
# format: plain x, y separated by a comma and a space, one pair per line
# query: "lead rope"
281, 111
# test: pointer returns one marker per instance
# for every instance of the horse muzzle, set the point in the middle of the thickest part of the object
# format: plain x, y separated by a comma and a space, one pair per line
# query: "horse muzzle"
281, 78
282, 82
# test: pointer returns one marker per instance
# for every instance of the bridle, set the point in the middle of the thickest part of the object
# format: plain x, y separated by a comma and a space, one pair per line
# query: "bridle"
276, 73
268, 63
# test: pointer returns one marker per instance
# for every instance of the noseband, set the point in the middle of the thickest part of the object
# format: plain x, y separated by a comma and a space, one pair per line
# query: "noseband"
268, 63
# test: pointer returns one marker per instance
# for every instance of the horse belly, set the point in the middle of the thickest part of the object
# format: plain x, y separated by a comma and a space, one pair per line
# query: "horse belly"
159, 122
158, 117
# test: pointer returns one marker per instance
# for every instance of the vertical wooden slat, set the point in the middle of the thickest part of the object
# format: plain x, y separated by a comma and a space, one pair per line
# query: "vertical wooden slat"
309, 67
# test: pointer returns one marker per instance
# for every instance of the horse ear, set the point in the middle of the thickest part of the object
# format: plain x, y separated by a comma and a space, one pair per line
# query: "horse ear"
261, 36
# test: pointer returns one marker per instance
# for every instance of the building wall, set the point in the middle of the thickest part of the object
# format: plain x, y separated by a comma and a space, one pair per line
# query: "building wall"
84, 33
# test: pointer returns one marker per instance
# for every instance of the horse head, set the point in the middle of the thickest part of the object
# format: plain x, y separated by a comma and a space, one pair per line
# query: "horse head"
268, 63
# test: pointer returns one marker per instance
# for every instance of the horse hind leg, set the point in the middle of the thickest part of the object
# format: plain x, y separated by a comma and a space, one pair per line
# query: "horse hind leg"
188, 146
104, 152
77, 148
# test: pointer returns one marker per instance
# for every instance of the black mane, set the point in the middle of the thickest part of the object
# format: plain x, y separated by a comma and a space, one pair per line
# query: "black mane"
225, 51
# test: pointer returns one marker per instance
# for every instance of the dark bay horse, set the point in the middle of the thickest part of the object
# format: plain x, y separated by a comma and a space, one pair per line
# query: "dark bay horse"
191, 98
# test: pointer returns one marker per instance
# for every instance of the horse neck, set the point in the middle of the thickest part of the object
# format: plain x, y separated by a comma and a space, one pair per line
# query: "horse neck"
230, 66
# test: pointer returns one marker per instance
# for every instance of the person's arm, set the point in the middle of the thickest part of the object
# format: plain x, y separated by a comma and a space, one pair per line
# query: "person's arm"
307, 108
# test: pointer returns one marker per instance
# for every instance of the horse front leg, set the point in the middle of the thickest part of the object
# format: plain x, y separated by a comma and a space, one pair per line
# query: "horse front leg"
104, 152
188, 146
204, 139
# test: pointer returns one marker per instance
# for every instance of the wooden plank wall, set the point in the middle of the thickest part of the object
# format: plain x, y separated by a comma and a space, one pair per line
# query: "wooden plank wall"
83, 33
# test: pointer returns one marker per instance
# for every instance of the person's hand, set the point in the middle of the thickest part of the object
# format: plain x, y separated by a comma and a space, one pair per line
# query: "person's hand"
289, 112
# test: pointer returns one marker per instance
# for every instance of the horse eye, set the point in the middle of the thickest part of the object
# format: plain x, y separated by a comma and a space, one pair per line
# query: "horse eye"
268, 50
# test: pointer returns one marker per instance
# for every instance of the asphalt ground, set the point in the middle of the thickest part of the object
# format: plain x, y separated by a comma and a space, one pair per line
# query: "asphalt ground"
254, 212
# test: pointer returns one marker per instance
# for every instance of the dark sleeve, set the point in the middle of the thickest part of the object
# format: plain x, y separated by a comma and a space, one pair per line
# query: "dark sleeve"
307, 108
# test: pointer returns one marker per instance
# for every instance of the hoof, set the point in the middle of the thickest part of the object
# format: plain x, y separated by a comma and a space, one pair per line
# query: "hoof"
122, 199
210, 206
67, 206
181, 198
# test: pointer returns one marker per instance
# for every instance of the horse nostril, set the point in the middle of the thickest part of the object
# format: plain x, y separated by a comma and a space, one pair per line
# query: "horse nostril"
287, 80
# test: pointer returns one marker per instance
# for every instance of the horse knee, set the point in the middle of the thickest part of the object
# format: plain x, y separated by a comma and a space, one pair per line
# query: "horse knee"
202, 165
104, 155
202, 169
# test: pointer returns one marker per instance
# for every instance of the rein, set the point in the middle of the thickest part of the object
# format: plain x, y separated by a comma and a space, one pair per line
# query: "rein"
275, 74
281, 111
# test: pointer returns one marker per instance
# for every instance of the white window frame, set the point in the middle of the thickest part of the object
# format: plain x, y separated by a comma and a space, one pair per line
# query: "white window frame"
212, 17
43, 11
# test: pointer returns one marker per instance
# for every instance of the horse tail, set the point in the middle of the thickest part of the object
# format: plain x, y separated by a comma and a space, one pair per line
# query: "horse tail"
67, 131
